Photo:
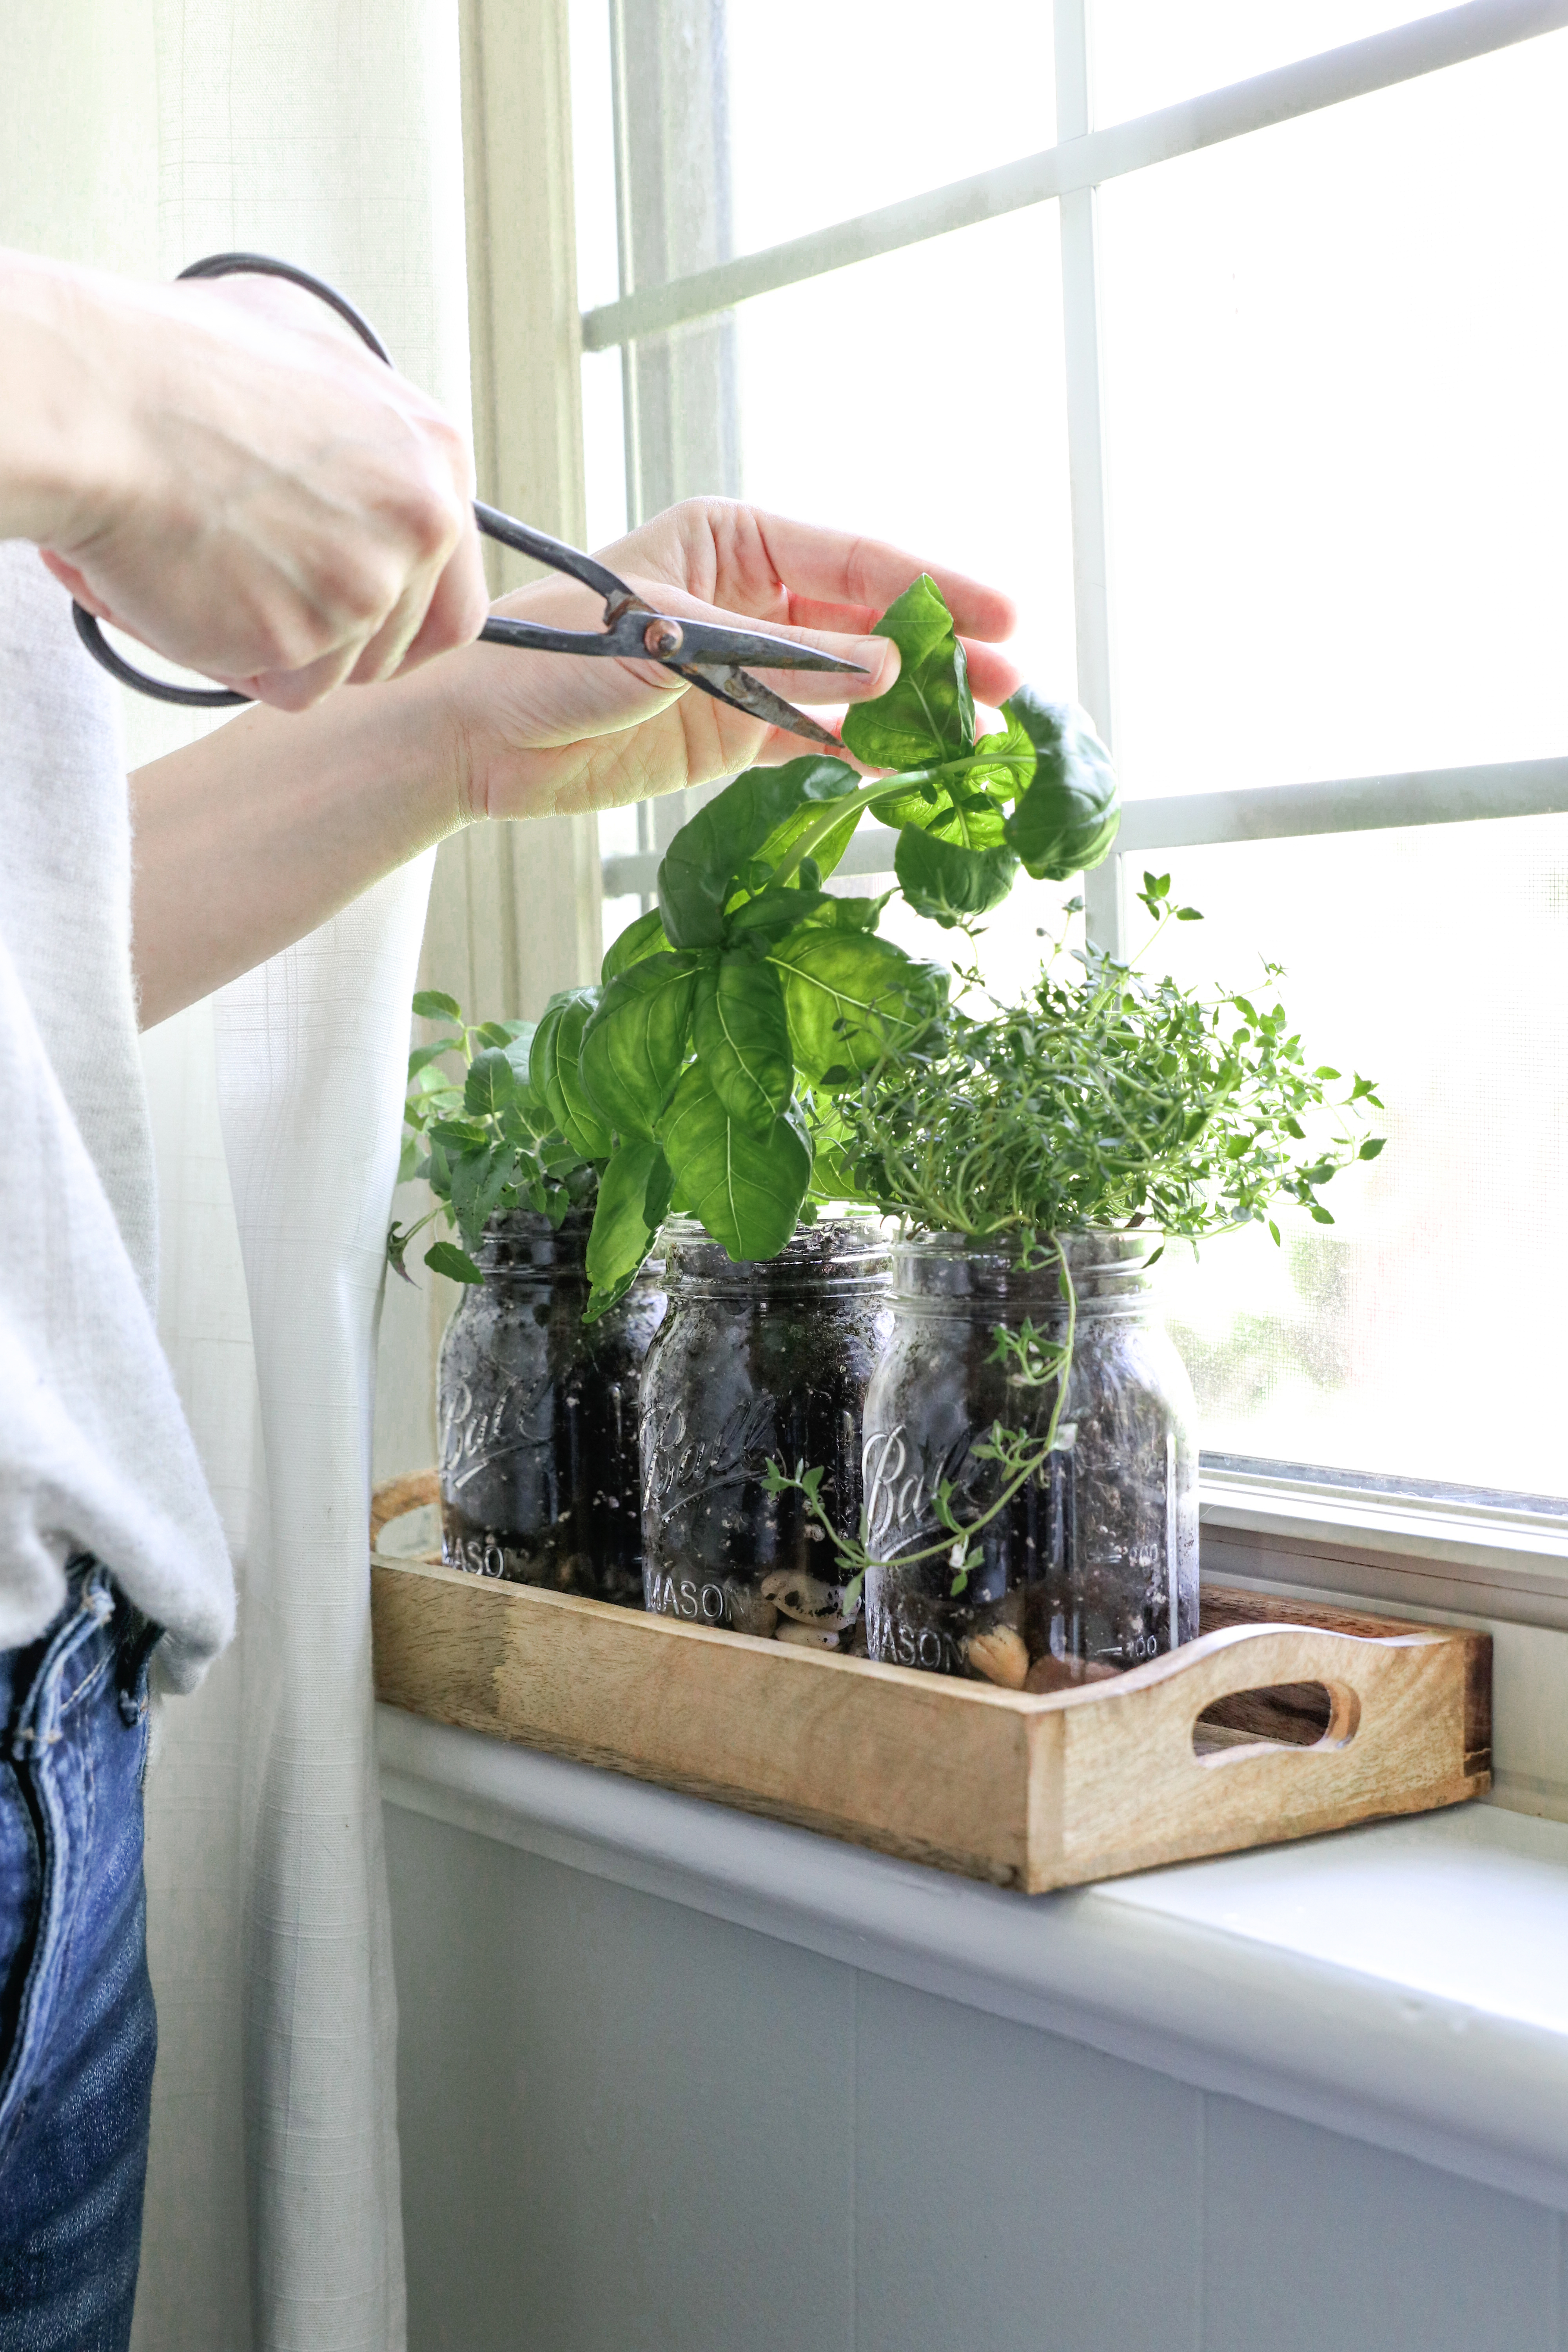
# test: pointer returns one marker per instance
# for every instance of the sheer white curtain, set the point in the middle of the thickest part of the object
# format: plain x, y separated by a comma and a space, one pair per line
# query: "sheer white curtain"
137, 134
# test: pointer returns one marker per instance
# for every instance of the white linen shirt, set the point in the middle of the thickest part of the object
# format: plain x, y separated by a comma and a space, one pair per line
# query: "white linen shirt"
95, 1454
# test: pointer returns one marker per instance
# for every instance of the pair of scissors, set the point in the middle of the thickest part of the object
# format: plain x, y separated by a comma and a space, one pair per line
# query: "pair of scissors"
700, 652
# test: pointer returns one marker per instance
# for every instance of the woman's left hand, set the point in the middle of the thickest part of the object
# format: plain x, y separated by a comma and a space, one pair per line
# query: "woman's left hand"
552, 734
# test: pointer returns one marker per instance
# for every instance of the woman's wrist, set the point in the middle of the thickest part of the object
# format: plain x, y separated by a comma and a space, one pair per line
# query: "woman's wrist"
61, 448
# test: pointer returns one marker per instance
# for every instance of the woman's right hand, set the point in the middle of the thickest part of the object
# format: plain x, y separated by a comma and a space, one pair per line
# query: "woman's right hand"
221, 469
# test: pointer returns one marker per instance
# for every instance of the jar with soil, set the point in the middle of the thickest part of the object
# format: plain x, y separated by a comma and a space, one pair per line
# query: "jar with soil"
1093, 1565
759, 1362
538, 1416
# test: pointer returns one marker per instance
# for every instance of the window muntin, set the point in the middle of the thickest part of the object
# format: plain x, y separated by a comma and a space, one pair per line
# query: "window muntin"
1148, 54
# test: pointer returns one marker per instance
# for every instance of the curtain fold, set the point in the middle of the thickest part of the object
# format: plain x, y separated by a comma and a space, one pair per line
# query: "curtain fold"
138, 134
311, 1050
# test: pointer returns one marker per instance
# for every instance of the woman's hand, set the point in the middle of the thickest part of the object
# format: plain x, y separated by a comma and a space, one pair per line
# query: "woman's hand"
223, 471
253, 836
548, 734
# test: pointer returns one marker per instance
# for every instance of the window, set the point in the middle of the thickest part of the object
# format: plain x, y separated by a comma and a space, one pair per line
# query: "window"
1243, 354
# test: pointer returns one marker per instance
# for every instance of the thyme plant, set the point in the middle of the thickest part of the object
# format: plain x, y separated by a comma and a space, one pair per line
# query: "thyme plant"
1106, 1098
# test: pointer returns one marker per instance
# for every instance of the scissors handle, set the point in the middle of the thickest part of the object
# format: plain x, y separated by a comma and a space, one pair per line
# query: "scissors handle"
699, 653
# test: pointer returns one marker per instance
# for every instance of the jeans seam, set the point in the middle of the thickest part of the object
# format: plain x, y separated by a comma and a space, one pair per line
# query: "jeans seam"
52, 1946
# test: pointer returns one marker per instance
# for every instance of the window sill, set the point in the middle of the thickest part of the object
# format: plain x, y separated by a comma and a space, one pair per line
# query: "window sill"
1483, 1561
1401, 1983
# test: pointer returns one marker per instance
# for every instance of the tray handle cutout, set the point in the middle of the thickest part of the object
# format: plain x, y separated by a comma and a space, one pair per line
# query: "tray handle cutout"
1312, 1714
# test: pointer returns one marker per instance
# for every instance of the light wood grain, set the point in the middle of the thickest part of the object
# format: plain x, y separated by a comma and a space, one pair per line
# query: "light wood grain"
1030, 1792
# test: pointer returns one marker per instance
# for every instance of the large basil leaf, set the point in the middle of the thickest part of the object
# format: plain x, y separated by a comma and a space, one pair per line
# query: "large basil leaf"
555, 1074
698, 872
634, 1045
746, 1189
947, 882
1068, 817
852, 998
621, 1237
643, 938
928, 714
743, 1039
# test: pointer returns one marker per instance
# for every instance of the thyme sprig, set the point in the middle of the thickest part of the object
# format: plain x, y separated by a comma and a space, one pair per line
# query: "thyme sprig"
1107, 1097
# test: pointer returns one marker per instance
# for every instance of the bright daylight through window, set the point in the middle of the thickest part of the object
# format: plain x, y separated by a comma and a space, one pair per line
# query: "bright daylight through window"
1275, 466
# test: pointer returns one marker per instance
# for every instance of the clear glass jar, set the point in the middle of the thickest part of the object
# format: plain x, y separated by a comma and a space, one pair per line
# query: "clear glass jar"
538, 1416
1093, 1565
759, 1362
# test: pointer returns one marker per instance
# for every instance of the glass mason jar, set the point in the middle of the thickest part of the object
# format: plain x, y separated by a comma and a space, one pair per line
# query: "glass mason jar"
759, 1362
1093, 1565
538, 1415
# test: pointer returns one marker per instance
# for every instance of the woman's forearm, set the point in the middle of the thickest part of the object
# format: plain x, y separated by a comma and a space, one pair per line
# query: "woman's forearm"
250, 838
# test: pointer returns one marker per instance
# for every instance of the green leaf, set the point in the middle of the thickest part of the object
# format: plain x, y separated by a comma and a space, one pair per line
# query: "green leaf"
643, 938
745, 1189
823, 779
423, 1055
478, 1181
928, 714
1066, 818
490, 1085
555, 1076
700, 869
1372, 1146
656, 1199
852, 998
948, 883
446, 1257
621, 1236
431, 1005
742, 1040
634, 1045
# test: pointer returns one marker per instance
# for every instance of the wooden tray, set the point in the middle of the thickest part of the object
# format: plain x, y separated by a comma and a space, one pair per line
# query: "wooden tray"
1312, 1720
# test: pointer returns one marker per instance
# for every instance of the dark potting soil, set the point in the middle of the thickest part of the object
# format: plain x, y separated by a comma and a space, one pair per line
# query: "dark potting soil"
1092, 1567
540, 1480
760, 1363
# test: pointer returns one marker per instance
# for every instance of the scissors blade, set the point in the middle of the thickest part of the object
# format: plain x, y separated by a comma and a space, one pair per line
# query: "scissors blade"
727, 684
711, 641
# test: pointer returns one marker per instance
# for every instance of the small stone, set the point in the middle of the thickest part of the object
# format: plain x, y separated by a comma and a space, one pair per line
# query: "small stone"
806, 1637
1001, 1655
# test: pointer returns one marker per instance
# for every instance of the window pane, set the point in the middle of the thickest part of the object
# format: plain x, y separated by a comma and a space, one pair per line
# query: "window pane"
839, 106
920, 398
593, 152
1148, 54
1339, 472
1420, 1334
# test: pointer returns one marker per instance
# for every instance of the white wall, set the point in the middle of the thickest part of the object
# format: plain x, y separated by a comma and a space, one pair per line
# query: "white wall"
628, 2126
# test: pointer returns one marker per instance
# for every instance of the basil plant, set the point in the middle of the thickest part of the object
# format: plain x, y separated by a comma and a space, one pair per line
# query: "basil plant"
700, 1074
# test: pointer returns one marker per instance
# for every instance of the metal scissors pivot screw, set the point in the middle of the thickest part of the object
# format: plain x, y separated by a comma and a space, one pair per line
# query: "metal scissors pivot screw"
700, 653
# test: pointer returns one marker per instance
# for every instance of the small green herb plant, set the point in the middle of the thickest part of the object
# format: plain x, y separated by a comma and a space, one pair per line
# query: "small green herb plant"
482, 1139
701, 1071
1107, 1098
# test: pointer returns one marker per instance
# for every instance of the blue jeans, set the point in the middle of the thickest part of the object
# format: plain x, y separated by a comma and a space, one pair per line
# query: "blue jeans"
77, 2030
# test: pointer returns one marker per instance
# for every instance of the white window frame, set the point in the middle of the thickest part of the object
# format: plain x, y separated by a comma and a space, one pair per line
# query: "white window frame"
1508, 1562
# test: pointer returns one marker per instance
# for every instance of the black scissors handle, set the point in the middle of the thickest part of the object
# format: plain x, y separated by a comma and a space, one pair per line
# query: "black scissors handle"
698, 651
